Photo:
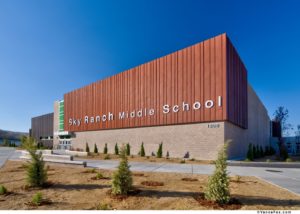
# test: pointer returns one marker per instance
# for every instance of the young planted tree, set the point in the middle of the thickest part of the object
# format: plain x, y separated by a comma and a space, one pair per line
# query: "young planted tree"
36, 172
218, 184
250, 156
159, 151
95, 149
122, 179
116, 149
105, 150
254, 152
261, 151
87, 148
127, 149
142, 152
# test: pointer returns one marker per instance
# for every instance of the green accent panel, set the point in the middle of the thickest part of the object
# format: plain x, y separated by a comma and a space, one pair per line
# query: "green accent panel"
61, 115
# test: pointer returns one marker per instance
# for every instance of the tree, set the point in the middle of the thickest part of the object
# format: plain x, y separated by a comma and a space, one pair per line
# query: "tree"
250, 152
142, 152
28, 143
218, 184
87, 148
127, 149
267, 151
254, 152
159, 151
5, 142
36, 172
281, 115
116, 149
95, 149
122, 178
105, 150
297, 134
261, 151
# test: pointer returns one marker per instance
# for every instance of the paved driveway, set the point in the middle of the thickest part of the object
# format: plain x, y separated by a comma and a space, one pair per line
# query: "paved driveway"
288, 178
5, 153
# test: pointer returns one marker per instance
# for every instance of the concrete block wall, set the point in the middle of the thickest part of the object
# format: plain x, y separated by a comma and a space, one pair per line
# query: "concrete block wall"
198, 140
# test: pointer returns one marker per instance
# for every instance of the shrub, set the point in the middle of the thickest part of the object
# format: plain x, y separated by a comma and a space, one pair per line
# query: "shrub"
37, 199
95, 149
106, 157
105, 150
142, 152
257, 151
159, 151
36, 172
103, 207
3, 190
122, 179
99, 175
250, 155
268, 160
87, 148
218, 184
182, 161
116, 149
127, 149
289, 160
272, 150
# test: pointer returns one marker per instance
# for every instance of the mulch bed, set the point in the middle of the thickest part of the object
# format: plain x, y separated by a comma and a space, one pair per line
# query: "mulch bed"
43, 202
233, 204
103, 178
189, 179
138, 174
152, 183
132, 192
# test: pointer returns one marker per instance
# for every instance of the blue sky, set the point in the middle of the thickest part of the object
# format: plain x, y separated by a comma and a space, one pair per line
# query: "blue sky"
48, 48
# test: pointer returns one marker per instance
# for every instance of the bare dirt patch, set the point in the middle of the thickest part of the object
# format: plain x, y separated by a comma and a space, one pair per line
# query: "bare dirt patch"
74, 190
189, 179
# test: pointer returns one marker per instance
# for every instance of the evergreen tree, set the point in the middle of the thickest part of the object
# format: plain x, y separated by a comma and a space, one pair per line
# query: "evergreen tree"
254, 152
261, 151
122, 179
36, 172
127, 149
267, 151
95, 149
250, 152
142, 152
218, 184
105, 150
87, 148
116, 149
159, 151
5, 142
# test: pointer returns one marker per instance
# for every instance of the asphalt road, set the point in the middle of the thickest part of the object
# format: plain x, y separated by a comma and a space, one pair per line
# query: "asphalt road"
287, 178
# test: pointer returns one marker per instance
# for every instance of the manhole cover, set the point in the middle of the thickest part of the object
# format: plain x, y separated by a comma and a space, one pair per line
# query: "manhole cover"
271, 170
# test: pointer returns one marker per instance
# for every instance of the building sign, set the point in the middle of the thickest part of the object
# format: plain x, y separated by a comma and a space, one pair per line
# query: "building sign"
165, 109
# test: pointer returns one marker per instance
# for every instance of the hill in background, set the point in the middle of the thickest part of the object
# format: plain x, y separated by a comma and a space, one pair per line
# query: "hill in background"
11, 135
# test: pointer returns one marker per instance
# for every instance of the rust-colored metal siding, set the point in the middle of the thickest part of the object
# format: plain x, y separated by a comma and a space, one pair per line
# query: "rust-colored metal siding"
196, 73
237, 104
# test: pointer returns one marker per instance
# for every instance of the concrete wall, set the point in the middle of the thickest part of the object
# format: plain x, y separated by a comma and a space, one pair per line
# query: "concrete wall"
258, 131
198, 140
56, 123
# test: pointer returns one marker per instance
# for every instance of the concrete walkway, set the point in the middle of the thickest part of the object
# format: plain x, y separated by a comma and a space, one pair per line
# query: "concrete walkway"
287, 178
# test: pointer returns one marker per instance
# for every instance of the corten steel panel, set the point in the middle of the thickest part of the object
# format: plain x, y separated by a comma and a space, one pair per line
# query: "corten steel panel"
237, 104
197, 73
